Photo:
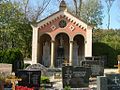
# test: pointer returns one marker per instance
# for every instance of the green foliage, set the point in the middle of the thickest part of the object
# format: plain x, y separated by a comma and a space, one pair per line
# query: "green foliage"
14, 27
67, 88
109, 37
102, 49
45, 79
90, 12
26, 65
107, 42
12, 56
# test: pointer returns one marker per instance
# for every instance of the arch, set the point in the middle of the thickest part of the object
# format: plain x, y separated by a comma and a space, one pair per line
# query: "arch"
80, 35
44, 48
61, 49
78, 49
62, 32
48, 34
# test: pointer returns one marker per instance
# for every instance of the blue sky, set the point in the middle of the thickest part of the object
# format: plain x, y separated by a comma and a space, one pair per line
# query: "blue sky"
115, 16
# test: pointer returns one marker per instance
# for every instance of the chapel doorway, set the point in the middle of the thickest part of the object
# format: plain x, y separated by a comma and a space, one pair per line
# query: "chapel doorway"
61, 49
45, 50
78, 50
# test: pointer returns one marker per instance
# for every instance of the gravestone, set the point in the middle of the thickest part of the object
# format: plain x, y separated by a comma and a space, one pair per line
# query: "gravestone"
101, 83
97, 67
30, 78
113, 81
75, 77
38, 67
5, 68
109, 82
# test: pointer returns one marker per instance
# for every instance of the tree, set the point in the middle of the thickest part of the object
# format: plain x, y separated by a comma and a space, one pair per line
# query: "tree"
78, 5
15, 19
12, 56
109, 4
90, 11
97, 35
32, 14
9, 17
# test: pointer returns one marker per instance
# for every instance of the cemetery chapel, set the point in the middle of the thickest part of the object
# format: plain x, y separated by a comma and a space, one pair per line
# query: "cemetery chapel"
60, 38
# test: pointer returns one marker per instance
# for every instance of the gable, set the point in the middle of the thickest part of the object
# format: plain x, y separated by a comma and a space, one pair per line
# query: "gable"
60, 14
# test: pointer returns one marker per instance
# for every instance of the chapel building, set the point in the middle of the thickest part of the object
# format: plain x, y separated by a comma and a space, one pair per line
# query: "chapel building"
60, 38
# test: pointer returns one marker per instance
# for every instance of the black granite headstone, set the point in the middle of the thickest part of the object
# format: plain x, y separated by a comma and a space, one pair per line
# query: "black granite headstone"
29, 78
109, 82
67, 75
75, 77
113, 81
97, 67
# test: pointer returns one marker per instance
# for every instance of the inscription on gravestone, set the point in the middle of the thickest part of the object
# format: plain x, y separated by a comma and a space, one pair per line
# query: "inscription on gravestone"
75, 77
29, 78
97, 67
67, 75
113, 81
109, 82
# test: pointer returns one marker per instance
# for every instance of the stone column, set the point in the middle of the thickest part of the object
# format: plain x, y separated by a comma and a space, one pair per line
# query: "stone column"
88, 42
52, 54
70, 52
119, 64
34, 44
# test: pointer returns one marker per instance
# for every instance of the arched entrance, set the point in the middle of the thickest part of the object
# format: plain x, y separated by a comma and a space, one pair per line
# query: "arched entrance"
44, 50
78, 50
61, 49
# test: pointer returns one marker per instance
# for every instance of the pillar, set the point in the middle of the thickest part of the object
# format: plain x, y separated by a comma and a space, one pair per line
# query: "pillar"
52, 54
71, 53
88, 42
119, 64
34, 44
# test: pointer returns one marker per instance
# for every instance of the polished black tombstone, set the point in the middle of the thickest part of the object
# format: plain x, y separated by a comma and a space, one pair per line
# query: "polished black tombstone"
113, 81
75, 77
30, 78
108, 82
67, 72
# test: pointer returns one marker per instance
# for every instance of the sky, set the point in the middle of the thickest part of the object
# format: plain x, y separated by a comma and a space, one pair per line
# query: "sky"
115, 15
115, 12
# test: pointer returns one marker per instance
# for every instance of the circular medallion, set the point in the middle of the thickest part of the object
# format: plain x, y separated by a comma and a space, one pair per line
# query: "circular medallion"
62, 24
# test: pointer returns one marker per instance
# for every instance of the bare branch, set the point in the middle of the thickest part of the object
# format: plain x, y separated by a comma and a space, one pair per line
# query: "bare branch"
109, 4
40, 9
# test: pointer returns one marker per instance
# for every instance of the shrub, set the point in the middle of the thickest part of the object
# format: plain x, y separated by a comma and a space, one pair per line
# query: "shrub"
102, 49
44, 79
67, 88
12, 56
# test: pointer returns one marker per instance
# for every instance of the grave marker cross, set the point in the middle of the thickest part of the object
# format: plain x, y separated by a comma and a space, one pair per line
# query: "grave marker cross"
13, 79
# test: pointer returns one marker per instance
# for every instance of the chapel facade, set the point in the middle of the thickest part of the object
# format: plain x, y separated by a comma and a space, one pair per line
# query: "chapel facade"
60, 38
